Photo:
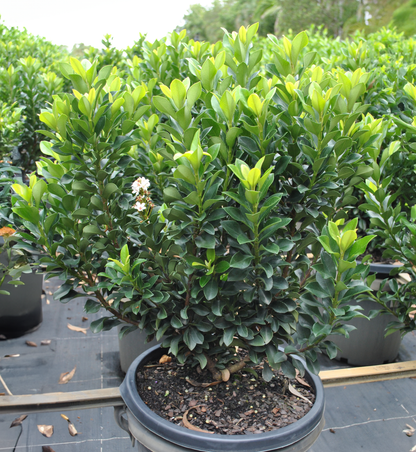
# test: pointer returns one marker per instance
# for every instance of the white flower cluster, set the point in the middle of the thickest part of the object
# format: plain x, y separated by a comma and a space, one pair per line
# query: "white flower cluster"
140, 184
143, 200
140, 206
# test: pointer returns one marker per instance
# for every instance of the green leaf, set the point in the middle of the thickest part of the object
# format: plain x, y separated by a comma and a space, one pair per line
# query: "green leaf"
90, 230
109, 189
360, 246
205, 241
240, 260
211, 290
267, 373
28, 213
38, 190
92, 306
228, 336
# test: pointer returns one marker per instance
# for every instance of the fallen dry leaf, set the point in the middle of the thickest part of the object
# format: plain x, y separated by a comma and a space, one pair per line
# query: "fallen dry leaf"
77, 328
302, 382
187, 424
332, 430
47, 449
48, 302
72, 429
165, 359
18, 420
297, 393
6, 232
84, 319
46, 430
45, 342
409, 431
66, 376
12, 356
2, 393
31, 344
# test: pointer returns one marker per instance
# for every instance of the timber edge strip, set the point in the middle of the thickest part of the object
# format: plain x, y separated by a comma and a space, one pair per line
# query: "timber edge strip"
110, 397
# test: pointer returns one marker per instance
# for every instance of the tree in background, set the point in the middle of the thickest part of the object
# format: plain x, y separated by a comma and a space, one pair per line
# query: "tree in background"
205, 23
404, 18
339, 17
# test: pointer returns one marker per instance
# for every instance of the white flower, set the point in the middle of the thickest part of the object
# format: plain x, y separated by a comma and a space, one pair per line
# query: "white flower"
140, 184
140, 206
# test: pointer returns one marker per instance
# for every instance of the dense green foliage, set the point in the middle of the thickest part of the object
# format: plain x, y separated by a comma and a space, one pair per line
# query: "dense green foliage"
266, 158
28, 80
239, 240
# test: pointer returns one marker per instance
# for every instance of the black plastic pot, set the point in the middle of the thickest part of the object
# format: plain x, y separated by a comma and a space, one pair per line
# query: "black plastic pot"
156, 434
131, 346
367, 345
21, 311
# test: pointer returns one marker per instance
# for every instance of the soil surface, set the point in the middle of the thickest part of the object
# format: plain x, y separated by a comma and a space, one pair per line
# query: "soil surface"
243, 405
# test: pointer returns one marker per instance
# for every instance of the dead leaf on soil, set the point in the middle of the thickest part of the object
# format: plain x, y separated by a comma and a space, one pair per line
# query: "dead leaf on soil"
47, 449
46, 430
301, 380
298, 394
18, 420
31, 344
409, 431
45, 342
77, 328
165, 359
66, 376
202, 385
187, 424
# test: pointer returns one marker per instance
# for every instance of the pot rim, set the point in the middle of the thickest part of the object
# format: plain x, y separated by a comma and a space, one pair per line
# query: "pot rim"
206, 442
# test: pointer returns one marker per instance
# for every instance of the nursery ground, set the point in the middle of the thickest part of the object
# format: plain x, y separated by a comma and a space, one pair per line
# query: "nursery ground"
368, 417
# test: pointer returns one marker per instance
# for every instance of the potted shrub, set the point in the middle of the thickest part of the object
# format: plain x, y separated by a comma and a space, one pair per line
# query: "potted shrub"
21, 288
210, 211
368, 344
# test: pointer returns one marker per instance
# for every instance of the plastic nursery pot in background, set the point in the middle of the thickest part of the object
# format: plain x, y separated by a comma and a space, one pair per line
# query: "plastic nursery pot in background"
159, 435
367, 345
21, 311
132, 345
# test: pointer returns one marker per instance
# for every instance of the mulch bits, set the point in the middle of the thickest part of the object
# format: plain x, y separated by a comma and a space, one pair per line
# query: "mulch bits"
243, 405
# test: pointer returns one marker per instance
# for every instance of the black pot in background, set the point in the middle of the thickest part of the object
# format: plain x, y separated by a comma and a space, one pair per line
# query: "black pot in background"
367, 345
131, 346
21, 311
156, 434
